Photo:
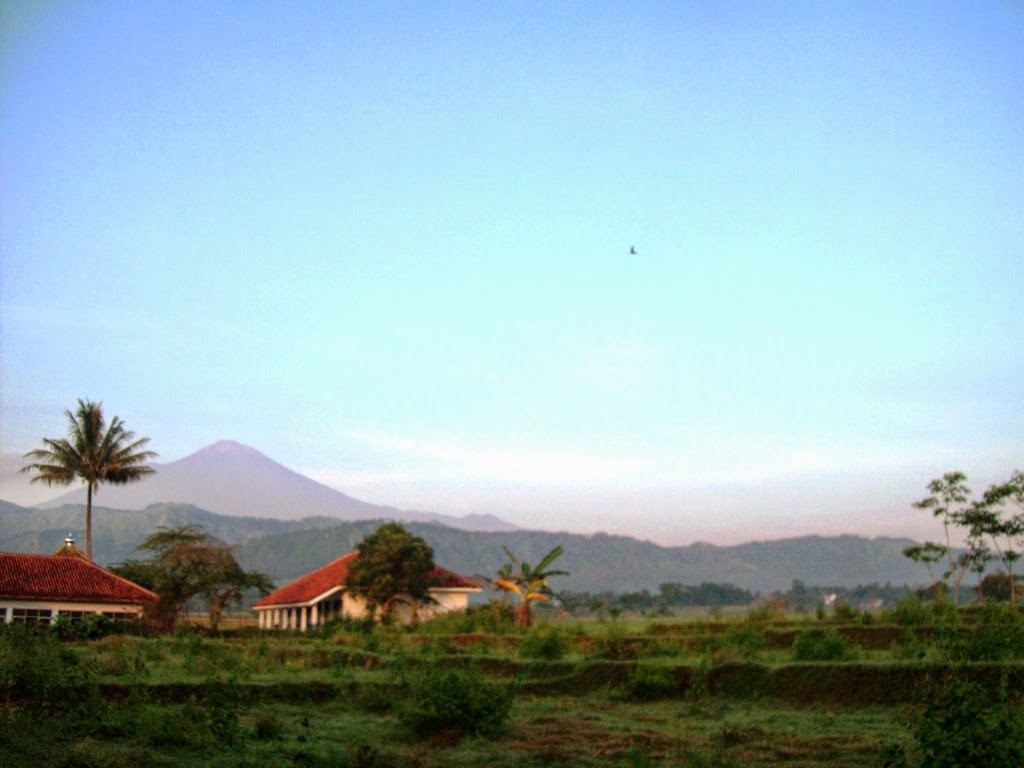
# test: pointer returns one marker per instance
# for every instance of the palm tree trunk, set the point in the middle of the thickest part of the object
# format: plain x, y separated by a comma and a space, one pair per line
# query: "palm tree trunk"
88, 521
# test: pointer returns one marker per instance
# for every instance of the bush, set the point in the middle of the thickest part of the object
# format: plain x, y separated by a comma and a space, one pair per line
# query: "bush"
908, 612
911, 611
844, 613
454, 699
821, 645
34, 664
267, 727
491, 618
967, 725
649, 682
995, 633
543, 641
346, 625
738, 642
614, 644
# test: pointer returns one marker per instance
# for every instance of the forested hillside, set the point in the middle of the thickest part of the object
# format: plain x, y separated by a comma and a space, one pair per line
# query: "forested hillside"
601, 562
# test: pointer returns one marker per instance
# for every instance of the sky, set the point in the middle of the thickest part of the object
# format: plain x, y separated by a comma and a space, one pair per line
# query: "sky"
390, 246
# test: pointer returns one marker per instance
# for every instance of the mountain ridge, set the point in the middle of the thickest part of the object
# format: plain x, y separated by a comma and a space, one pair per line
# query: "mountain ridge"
286, 549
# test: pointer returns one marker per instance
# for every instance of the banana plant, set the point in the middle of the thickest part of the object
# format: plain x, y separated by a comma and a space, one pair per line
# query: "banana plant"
530, 583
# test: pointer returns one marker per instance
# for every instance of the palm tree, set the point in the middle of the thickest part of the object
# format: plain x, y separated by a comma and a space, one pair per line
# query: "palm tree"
530, 583
94, 453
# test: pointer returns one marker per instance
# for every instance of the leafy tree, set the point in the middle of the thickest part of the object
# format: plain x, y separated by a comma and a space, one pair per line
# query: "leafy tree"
530, 583
1004, 527
998, 587
393, 566
187, 562
949, 501
927, 554
94, 453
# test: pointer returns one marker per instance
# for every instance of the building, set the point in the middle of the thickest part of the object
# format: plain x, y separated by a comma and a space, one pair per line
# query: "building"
39, 588
321, 595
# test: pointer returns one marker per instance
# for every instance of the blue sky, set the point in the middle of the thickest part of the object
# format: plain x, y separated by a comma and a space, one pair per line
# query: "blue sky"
389, 246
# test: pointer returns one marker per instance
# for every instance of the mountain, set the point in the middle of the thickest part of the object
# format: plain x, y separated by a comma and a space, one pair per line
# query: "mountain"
229, 478
602, 562
117, 532
288, 549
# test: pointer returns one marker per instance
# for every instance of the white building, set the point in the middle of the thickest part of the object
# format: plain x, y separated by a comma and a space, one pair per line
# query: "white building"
321, 595
39, 588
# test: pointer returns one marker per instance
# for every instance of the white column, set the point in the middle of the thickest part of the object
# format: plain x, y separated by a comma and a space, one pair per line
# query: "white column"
302, 618
314, 619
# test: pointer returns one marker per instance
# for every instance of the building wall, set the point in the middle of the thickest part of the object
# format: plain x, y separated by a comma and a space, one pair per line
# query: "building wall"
10, 610
308, 617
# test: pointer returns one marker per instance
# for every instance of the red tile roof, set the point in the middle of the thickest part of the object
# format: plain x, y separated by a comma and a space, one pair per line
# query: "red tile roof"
310, 586
66, 579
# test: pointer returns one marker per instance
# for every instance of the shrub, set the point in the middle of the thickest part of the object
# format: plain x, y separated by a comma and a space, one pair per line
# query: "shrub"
995, 633
267, 727
770, 610
454, 699
821, 645
908, 612
492, 618
34, 664
543, 641
911, 611
648, 682
614, 644
346, 625
844, 613
744, 641
967, 725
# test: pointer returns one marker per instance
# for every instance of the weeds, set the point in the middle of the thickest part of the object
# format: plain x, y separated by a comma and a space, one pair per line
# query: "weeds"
649, 682
965, 725
454, 699
544, 641
822, 645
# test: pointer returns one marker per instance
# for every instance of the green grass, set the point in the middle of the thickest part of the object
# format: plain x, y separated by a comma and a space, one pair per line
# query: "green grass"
594, 730
615, 694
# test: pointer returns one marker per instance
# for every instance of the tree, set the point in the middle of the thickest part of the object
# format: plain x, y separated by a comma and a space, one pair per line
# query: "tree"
187, 562
230, 585
927, 554
531, 584
998, 587
94, 453
949, 501
392, 566
1004, 528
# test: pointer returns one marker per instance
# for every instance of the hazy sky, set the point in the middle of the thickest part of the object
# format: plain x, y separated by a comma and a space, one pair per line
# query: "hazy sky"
389, 246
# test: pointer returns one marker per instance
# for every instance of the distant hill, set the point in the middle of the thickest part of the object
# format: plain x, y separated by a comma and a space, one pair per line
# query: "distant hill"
288, 549
116, 532
614, 563
234, 479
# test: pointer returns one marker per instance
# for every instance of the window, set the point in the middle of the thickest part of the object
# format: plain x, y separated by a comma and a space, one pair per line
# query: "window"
119, 615
31, 615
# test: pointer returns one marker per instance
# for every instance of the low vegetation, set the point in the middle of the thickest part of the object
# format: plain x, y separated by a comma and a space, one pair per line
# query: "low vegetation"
917, 686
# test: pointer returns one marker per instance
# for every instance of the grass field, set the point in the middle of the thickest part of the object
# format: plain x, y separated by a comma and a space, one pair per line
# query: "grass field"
688, 693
